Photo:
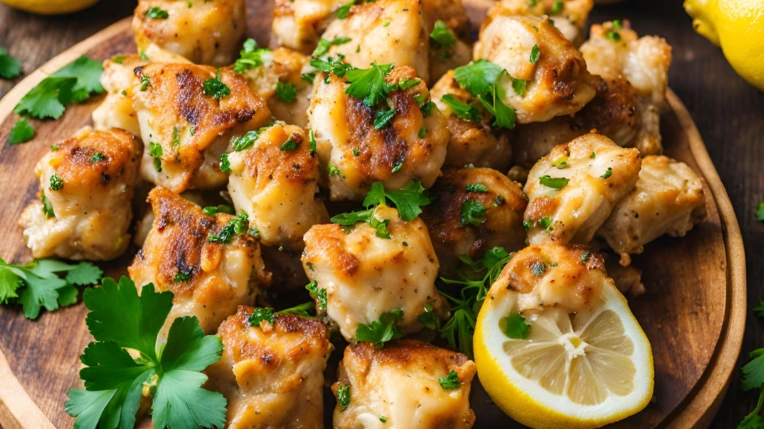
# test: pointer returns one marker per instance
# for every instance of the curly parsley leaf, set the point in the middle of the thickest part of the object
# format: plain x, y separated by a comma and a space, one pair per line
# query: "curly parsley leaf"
318, 294
10, 68
369, 84
21, 132
236, 226
215, 87
442, 35
381, 331
261, 314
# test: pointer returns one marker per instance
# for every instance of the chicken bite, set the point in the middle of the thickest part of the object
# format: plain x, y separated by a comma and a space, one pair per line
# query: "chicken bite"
668, 199
272, 374
573, 189
615, 51
282, 78
87, 184
398, 386
365, 274
472, 142
568, 16
187, 115
275, 182
297, 24
532, 49
394, 140
209, 263
475, 209
202, 31
450, 40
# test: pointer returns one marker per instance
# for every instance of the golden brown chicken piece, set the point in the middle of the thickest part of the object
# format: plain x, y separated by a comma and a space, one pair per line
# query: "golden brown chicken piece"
573, 189
366, 275
204, 261
615, 51
398, 387
498, 204
280, 74
667, 199
355, 152
275, 182
477, 143
446, 52
87, 184
532, 49
568, 16
186, 128
297, 24
202, 31
613, 113
272, 375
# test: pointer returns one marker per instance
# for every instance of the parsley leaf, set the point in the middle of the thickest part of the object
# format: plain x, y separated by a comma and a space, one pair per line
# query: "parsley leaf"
236, 226
21, 132
225, 165
477, 187
343, 396
535, 54
261, 314
608, 173
290, 145
221, 208
337, 67
10, 67
369, 84
519, 86
344, 10
318, 294
515, 326
409, 199
47, 208
553, 182
450, 381
760, 212
478, 77
383, 117
120, 319
251, 57
460, 109
156, 13
381, 331
215, 87
442, 35
557, 7
472, 213
286, 92
324, 45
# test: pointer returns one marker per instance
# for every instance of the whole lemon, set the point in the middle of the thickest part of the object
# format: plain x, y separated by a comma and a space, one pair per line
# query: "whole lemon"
738, 27
50, 7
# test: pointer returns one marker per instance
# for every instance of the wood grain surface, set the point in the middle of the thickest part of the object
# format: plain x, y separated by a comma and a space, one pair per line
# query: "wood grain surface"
722, 104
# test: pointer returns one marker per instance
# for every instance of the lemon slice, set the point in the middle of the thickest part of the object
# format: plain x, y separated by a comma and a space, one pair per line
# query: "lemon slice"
574, 369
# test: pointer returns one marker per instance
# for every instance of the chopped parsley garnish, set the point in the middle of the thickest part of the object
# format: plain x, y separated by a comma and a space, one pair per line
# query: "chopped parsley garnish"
538, 268
236, 226
290, 145
156, 152
119, 59
397, 167
535, 54
428, 319
312, 141
557, 7
499, 201
260, 314
593, 155
47, 208
175, 137
98, 156
10, 68
246, 141
156, 13
181, 277
215, 87
222, 208
56, 183
74, 83
442, 35
115, 381
387, 23
334, 171
383, 419
145, 82
553, 182
383, 330
481, 79
343, 396
286, 92
382, 118
251, 57
450, 381
225, 165
519, 86
472, 213
369, 84
613, 35
515, 326
608, 173
477, 187
407, 200
422, 132
617, 25
426, 108
337, 67
760, 212
37, 284
344, 10
21, 132
318, 294
460, 109
324, 45
545, 223
585, 257
308, 77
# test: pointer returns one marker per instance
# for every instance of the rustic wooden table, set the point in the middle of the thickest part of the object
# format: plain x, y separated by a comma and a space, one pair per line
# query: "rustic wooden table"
728, 112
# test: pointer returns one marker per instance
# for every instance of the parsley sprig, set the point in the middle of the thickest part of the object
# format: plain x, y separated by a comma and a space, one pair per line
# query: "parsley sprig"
10, 68
236, 226
119, 319
251, 57
381, 331
369, 84
38, 284
482, 80
753, 378
442, 36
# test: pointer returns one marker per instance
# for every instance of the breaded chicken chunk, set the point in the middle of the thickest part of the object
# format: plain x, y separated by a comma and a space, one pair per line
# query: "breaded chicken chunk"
297, 24
574, 188
450, 39
202, 31
398, 387
366, 275
615, 51
385, 31
87, 184
358, 144
282, 78
667, 199
475, 209
472, 142
275, 182
272, 375
187, 115
568, 16
532, 49
210, 263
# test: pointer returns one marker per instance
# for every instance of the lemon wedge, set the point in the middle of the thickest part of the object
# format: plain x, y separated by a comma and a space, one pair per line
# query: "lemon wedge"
556, 345
50, 7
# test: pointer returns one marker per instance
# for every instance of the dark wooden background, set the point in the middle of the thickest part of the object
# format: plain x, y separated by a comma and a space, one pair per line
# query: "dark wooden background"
728, 112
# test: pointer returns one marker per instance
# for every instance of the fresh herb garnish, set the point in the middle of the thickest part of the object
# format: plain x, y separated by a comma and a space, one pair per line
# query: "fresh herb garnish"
381, 331
261, 314
56, 183
21, 132
460, 109
608, 173
369, 84
225, 164
515, 326
472, 213
450, 381
557, 7
481, 79
760, 212
343, 396
382, 118
535, 54
156, 13
156, 152
324, 45
10, 68
251, 57
318, 294
477, 187
286, 92
553, 182
215, 87
98, 156
236, 226
222, 208
290, 145
442, 35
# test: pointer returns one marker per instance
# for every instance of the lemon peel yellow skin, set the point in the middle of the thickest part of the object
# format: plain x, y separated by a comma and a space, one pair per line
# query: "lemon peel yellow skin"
737, 26
50, 7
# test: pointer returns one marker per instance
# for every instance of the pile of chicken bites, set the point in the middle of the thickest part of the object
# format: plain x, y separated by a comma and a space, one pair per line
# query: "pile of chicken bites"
562, 149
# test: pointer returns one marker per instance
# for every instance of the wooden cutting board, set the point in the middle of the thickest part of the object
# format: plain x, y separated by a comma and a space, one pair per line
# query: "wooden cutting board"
693, 312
